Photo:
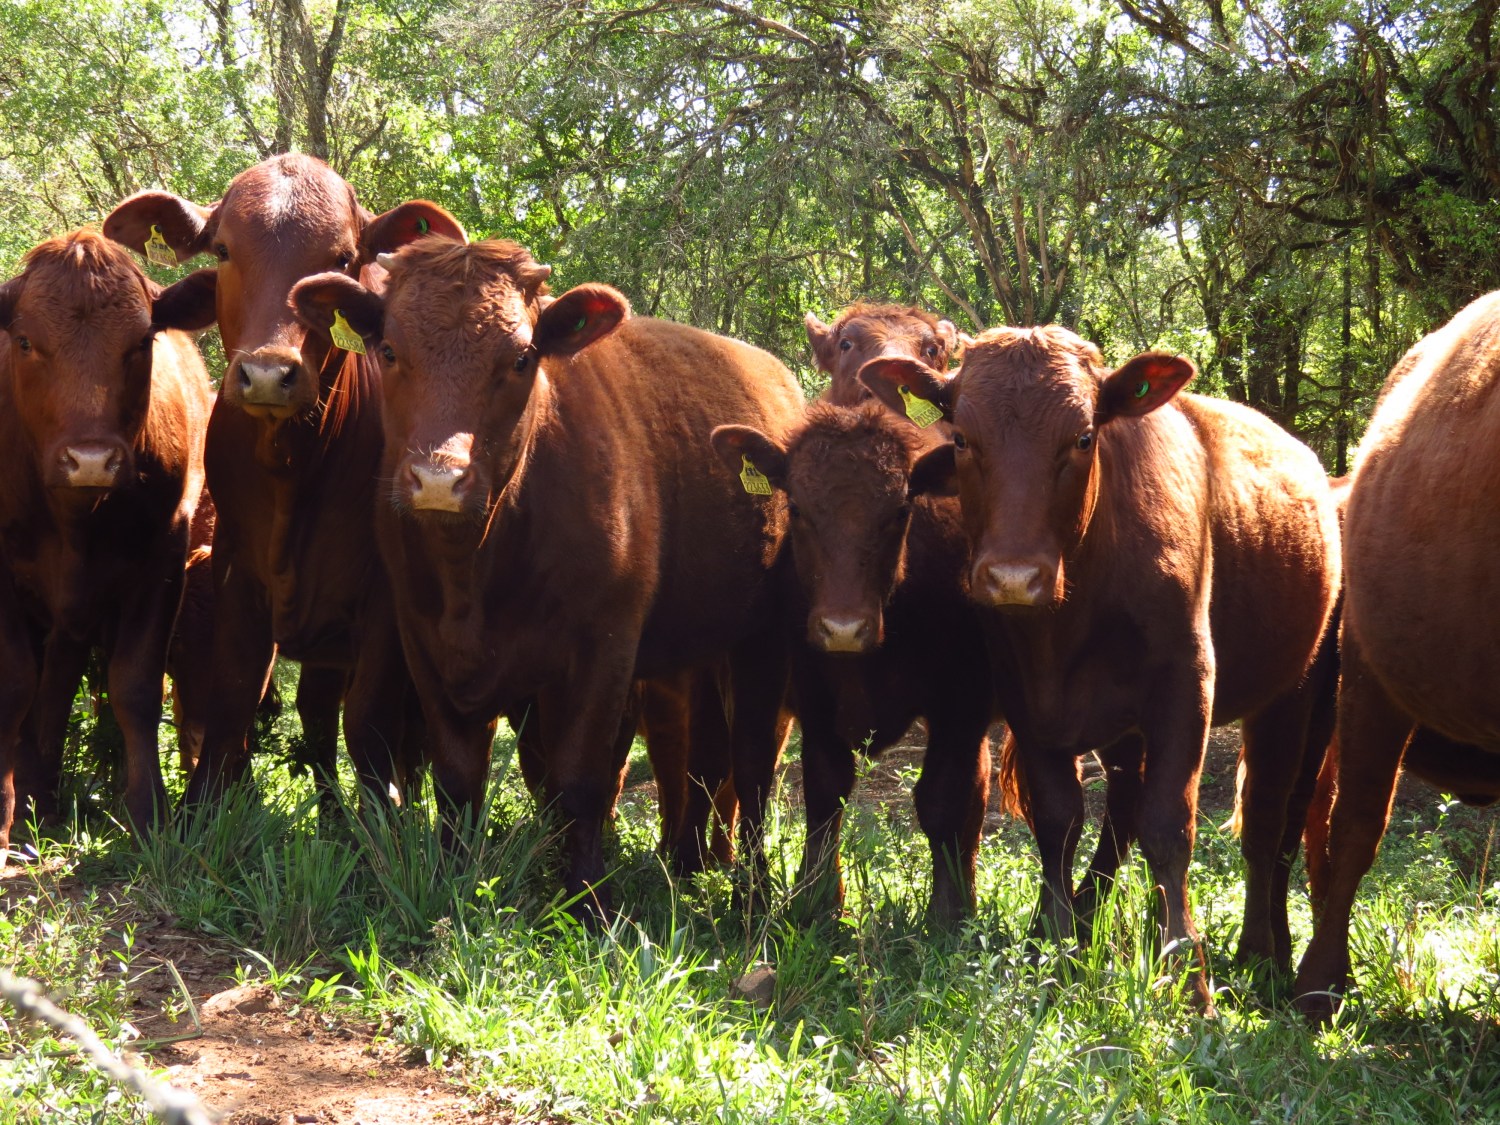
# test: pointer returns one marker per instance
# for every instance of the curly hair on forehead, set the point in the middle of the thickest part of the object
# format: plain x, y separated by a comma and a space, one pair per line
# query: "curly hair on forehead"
88, 269
874, 432
1033, 344
469, 283
873, 311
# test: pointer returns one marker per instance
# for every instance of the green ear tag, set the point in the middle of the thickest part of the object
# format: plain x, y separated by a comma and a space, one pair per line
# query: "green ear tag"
345, 337
1143, 390
423, 226
756, 483
919, 410
583, 322
158, 253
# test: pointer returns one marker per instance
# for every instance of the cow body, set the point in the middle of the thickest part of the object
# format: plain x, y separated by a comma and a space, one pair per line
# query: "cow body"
1149, 571
559, 526
1421, 604
102, 416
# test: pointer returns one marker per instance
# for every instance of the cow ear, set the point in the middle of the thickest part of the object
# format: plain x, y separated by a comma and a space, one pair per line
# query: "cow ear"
10, 293
896, 381
161, 217
821, 337
947, 332
417, 218
1141, 385
579, 317
935, 473
737, 445
325, 297
189, 305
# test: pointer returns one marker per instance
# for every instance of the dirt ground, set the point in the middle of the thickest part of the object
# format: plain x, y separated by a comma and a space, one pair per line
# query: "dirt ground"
262, 1061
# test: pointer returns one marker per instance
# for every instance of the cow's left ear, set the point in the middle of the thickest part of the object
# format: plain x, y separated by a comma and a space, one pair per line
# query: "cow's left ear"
10, 293
1141, 385
747, 452
935, 473
414, 219
324, 299
189, 305
580, 316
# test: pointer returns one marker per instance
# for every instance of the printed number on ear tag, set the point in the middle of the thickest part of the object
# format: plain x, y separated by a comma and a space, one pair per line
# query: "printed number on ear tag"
158, 253
756, 482
345, 337
919, 410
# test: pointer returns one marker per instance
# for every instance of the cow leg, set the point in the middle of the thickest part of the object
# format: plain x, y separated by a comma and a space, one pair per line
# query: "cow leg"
18, 677
1123, 763
1056, 813
950, 797
531, 757
1372, 734
320, 692
711, 804
39, 773
827, 782
666, 725
1175, 742
242, 661
411, 755
375, 707
758, 677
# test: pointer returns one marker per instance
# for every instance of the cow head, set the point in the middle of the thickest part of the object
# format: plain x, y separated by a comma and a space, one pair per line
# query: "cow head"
865, 332
462, 335
81, 323
285, 219
1030, 409
848, 475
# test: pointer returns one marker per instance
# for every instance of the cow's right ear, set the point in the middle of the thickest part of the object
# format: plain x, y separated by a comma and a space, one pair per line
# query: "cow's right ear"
935, 473
189, 305
185, 228
414, 219
323, 299
895, 380
821, 337
744, 448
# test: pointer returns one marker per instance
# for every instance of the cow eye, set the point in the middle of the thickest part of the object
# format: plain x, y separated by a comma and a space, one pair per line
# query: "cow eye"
523, 361
387, 353
792, 510
1085, 441
845, 345
345, 261
24, 344
959, 441
222, 251
930, 351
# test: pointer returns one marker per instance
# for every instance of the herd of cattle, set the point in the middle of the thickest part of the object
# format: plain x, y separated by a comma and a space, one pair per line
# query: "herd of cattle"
453, 496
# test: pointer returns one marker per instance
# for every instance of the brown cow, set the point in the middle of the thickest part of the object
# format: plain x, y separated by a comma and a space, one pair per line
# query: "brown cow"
102, 415
883, 633
1152, 565
293, 451
558, 522
864, 332
1420, 611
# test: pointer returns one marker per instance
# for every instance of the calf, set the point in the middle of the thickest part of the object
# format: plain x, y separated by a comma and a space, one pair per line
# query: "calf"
1420, 611
864, 332
883, 633
293, 453
1151, 565
102, 416
558, 525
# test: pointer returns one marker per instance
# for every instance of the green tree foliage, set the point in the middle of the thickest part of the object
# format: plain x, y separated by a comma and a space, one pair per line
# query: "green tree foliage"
1290, 194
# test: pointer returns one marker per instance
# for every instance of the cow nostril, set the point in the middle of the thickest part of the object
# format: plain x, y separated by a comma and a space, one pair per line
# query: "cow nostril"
288, 377
244, 378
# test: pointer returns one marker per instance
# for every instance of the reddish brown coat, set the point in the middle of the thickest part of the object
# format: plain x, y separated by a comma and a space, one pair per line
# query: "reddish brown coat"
1421, 609
102, 415
1153, 565
864, 332
559, 524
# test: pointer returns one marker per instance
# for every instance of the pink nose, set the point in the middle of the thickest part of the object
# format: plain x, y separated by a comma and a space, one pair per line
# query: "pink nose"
1014, 582
842, 634
267, 377
92, 464
438, 487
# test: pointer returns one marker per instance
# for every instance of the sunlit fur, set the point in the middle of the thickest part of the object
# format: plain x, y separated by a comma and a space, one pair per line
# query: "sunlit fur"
873, 330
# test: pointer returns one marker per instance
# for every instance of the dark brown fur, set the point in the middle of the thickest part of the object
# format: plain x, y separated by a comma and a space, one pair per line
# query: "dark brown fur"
1151, 570
864, 332
1421, 608
587, 536
88, 378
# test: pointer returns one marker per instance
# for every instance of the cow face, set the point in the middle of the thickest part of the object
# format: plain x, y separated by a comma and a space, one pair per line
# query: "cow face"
848, 479
285, 219
1029, 408
865, 332
462, 336
81, 323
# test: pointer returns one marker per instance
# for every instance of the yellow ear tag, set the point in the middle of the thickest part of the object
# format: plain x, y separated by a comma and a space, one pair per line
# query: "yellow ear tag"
158, 253
345, 337
756, 483
919, 410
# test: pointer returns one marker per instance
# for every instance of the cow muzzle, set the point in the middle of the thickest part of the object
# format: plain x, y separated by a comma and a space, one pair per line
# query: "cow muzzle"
437, 486
1015, 582
268, 381
838, 633
92, 464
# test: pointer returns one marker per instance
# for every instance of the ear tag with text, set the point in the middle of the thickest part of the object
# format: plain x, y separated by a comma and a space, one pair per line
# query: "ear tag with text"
756, 483
343, 336
158, 253
919, 410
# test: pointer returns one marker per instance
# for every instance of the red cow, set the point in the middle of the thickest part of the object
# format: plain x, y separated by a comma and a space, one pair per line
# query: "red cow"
102, 415
1152, 565
557, 522
292, 457
1420, 610
864, 332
